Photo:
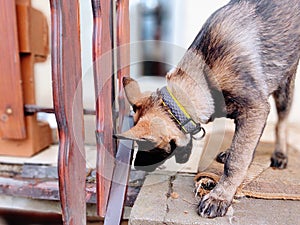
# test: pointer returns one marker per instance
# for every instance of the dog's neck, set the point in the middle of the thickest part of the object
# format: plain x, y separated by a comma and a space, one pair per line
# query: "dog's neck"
188, 84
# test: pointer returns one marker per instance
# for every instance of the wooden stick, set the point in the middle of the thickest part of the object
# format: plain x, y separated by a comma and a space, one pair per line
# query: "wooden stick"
68, 106
102, 62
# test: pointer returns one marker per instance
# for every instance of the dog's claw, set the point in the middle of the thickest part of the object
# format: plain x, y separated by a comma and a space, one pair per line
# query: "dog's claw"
279, 160
210, 207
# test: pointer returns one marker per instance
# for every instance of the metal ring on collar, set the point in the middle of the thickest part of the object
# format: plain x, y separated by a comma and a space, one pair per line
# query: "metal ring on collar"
197, 131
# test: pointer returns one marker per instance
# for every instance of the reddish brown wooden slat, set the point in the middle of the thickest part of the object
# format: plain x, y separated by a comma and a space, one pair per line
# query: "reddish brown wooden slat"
123, 156
12, 125
67, 94
40, 182
123, 53
102, 59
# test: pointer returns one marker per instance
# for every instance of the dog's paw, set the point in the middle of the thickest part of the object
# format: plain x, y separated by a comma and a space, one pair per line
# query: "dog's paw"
211, 207
279, 160
221, 157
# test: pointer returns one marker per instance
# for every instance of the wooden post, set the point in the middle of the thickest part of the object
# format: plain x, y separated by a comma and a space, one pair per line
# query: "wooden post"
68, 106
102, 62
123, 54
12, 121
123, 156
32, 43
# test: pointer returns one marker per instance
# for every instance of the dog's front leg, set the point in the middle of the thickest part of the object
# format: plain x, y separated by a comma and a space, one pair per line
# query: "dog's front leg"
249, 127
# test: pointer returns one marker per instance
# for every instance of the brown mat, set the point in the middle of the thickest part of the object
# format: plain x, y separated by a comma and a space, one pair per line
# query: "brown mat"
262, 181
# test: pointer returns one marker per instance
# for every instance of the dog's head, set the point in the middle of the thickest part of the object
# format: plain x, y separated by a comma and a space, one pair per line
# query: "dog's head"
155, 132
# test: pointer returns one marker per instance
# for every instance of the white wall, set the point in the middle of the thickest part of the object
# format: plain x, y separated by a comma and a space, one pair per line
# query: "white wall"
43, 78
43, 70
188, 19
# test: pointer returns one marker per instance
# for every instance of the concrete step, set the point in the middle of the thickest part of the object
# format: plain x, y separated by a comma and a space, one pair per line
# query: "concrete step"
169, 199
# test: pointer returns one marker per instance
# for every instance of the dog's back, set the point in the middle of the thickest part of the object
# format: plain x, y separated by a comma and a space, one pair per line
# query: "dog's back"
252, 40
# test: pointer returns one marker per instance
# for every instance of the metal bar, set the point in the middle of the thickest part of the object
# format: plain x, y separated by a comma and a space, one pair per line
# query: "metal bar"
102, 65
30, 109
120, 179
68, 106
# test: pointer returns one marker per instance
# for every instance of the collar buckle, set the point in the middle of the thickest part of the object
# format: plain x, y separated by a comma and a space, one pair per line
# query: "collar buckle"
195, 129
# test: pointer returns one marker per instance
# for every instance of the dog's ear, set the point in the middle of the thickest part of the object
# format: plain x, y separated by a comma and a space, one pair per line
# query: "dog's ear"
132, 90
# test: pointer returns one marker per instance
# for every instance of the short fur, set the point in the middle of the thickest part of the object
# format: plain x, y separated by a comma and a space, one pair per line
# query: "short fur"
245, 52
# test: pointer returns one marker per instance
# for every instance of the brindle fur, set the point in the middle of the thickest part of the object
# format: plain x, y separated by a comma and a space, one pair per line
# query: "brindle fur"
245, 52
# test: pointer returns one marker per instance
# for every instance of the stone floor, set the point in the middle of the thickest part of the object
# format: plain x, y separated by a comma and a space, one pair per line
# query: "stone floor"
168, 198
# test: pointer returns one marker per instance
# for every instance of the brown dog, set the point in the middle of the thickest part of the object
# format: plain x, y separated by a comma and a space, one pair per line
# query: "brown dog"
245, 52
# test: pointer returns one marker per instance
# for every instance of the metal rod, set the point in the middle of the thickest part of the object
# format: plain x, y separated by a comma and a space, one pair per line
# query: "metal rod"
30, 109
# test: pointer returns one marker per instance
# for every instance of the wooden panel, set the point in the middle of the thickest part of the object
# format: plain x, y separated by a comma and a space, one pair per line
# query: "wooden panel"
102, 59
33, 44
12, 125
67, 94
123, 53
28, 83
40, 182
25, 2
32, 31
39, 136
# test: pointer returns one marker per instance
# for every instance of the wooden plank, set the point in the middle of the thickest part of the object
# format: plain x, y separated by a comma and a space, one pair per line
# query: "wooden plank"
40, 182
33, 188
124, 152
24, 2
39, 35
12, 124
68, 106
102, 59
123, 54
28, 83
32, 30
39, 136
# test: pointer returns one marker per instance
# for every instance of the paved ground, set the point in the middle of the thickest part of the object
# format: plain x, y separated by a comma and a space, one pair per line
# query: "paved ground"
155, 206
